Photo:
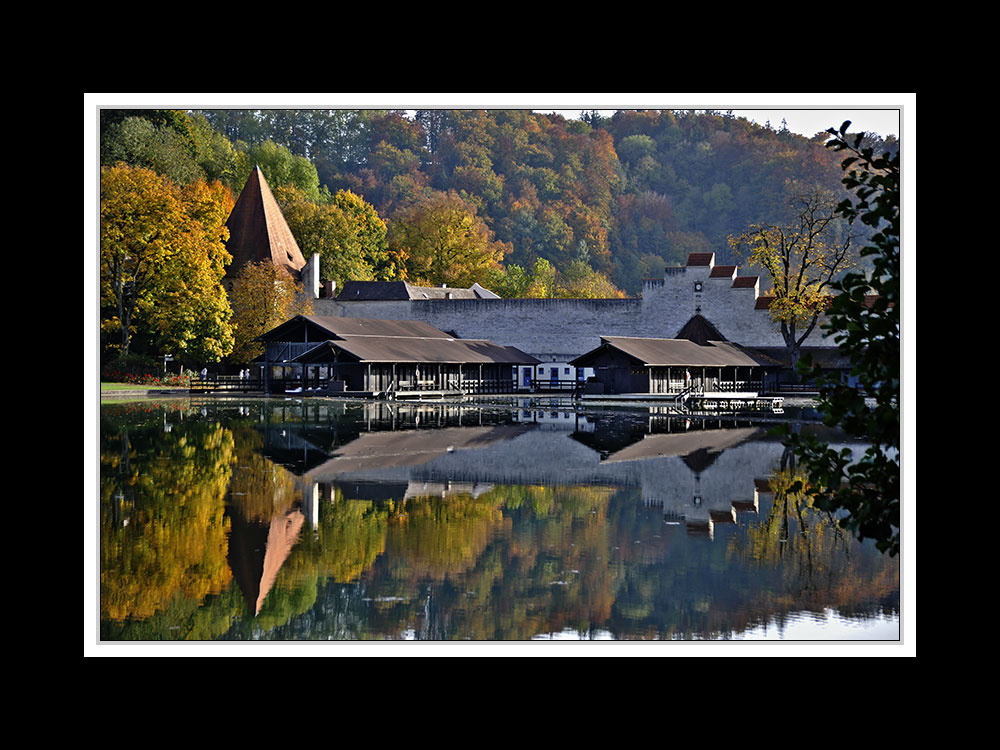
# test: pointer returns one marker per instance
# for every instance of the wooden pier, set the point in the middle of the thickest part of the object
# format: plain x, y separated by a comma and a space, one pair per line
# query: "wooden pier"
708, 401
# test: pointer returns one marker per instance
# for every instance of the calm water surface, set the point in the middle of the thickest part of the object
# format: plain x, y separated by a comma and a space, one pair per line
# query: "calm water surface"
320, 519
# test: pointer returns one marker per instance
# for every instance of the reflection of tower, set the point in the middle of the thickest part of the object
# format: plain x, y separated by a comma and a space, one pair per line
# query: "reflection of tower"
257, 550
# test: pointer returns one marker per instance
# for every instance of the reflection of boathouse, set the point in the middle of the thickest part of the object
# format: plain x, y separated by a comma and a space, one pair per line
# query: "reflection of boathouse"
384, 357
699, 472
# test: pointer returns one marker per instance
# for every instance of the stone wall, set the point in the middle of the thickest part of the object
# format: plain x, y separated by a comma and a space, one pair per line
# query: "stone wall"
562, 329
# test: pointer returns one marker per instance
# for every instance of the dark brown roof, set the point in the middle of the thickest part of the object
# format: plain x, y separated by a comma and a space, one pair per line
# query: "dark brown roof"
325, 327
673, 352
419, 350
722, 272
700, 259
403, 290
373, 290
258, 230
745, 282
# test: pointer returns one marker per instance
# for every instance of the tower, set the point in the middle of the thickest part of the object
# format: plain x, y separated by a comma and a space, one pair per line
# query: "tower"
258, 231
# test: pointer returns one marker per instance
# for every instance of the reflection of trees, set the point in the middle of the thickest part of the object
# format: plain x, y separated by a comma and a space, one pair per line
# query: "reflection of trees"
513, 563
508, 564
809, 562
163, 530
436, 537
793, 532
793, 558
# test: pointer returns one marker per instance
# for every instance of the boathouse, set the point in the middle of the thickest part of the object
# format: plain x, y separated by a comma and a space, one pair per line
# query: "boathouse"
676, 367
395, 358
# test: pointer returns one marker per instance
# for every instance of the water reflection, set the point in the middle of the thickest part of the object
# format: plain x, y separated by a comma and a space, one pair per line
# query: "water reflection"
326, 519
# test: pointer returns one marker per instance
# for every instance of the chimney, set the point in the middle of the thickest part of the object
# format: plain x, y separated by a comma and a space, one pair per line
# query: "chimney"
313, 276
331, 289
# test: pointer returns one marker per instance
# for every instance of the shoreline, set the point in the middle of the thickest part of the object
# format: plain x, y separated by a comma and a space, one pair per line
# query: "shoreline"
548, 399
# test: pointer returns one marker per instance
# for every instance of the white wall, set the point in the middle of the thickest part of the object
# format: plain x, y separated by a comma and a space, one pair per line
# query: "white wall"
566, 328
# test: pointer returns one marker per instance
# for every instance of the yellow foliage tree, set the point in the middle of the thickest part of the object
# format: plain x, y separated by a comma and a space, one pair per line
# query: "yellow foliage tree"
164, 531
163, 257
801, 259
445, 242
262, 296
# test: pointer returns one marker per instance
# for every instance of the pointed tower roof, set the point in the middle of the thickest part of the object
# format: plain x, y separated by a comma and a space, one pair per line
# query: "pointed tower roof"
258, 230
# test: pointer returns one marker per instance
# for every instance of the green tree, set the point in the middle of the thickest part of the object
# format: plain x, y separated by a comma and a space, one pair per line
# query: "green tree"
346, 232
580, 281
140, 142
864, 321
372, 235
281, 167
217, 157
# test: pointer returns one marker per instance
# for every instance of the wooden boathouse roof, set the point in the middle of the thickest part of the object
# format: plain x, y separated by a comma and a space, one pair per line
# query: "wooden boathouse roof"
321, 328
375, 340
672, 353
387, 349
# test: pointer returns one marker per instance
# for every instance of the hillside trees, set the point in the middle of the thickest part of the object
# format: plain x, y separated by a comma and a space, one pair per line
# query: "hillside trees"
184, 147
162, 259
141, 142
625, 195
346, 232
609, 191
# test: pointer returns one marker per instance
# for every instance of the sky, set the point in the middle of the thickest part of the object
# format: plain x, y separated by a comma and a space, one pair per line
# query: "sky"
805, 113
808, 122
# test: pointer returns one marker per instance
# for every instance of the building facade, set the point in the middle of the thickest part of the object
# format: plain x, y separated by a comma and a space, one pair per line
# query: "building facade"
559, 330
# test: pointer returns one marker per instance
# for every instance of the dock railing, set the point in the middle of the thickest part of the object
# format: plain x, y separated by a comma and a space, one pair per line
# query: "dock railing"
738, 386
562, 386
226, 383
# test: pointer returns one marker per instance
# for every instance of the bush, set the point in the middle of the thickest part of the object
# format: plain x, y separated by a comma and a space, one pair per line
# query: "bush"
113, 374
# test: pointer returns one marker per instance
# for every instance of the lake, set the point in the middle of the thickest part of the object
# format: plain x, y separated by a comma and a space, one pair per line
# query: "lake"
516, 520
